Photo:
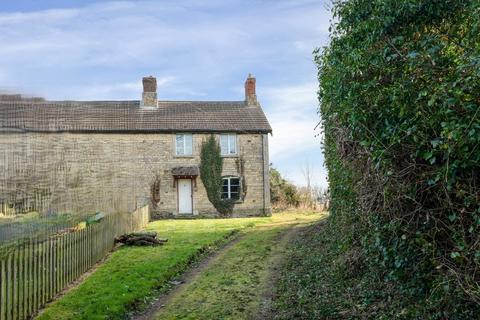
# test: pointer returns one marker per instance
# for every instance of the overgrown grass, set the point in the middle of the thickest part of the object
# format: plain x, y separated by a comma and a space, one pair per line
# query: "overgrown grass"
310, 286
131, 275
325, 278
231, 288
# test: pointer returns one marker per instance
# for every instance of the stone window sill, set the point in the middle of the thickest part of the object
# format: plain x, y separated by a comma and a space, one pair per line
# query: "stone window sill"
240, 201
184, 156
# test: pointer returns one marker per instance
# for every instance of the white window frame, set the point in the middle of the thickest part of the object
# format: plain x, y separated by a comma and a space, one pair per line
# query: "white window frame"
184, 145
229, 191
229, 136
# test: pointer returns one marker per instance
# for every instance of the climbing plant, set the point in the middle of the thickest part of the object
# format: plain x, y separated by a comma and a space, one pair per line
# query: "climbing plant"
400, 103
155, 191
211, 165
240, 163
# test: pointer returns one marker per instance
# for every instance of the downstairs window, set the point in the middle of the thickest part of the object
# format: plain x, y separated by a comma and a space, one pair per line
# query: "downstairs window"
231, 188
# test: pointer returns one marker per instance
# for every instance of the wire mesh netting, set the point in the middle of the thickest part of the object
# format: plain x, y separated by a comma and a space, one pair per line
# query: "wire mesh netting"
50, 181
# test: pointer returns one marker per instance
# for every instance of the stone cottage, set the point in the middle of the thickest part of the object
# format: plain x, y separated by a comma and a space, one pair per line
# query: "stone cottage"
87, 156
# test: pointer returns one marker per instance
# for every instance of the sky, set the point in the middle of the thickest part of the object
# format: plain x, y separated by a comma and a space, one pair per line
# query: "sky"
197, 50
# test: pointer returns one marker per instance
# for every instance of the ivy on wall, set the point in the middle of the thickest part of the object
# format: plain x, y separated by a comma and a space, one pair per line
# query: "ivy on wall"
155, 191
240, 163
211, 166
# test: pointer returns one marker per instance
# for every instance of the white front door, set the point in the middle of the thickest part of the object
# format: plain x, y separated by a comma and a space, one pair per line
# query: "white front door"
185, 196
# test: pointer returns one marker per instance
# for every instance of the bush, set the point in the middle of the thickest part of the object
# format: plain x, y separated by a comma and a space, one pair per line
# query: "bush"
400, 103
283, 194
211, 165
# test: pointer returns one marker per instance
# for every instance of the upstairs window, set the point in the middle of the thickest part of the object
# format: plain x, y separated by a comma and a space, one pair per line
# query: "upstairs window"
228, 144
184, 144
231, 188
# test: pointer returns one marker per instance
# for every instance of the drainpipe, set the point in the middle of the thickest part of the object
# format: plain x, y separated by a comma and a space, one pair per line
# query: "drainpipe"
263, 171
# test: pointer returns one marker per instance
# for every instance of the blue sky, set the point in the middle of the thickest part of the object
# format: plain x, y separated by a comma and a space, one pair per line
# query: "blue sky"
198, 50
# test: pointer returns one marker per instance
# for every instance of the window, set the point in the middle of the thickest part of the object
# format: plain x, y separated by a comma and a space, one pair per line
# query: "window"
184, 144
228, 144
231, 188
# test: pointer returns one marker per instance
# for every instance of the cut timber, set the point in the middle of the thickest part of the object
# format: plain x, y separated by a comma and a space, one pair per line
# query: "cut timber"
140, 239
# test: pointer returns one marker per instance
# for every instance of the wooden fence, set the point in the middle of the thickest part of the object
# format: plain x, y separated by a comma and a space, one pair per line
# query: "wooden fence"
33, 272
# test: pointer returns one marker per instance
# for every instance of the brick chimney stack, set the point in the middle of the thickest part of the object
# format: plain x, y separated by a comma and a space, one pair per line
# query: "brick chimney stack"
250, 95
149, 95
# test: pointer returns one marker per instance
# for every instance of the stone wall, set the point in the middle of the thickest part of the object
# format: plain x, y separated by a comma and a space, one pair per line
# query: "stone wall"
84, 173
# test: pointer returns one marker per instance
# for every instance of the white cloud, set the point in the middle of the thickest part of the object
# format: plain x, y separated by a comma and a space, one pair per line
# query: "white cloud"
112, 33
121, 90
52, 16
292, 97
293, 115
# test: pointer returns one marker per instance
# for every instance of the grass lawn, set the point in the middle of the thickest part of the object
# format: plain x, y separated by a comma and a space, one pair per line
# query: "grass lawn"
231, 287
133, 274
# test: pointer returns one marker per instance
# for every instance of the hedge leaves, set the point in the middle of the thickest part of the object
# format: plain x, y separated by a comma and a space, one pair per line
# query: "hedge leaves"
400, 106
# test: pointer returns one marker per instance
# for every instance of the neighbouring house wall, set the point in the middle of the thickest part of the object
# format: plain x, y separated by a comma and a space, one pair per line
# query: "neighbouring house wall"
84, 173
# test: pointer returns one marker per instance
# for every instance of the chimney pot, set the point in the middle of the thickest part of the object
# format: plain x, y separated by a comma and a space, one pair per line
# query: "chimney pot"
149, 95
250, 95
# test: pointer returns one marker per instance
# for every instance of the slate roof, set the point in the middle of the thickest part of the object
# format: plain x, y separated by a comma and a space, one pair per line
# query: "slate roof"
128, 116
185, 171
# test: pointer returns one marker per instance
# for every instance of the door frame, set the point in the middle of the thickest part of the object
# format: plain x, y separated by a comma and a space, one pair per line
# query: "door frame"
178, 194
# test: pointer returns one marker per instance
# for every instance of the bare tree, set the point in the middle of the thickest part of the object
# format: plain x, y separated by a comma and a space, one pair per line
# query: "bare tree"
307, 174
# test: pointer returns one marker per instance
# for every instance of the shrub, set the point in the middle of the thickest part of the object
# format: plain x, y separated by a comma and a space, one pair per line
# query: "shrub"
282, 193
400, 106
211, 165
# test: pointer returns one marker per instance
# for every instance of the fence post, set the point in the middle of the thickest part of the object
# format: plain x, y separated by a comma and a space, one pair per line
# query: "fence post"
44, 272
51, 268
21, 281
35, 273
15, 285
3, 291
31, 272
25, 279
9, 294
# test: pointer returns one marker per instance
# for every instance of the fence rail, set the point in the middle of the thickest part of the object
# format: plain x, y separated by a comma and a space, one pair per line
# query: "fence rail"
33, 272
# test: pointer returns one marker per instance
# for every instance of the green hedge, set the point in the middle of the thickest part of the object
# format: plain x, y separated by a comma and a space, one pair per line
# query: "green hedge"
400, 106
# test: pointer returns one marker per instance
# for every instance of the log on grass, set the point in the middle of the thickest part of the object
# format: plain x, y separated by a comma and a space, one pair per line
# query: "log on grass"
140, 239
